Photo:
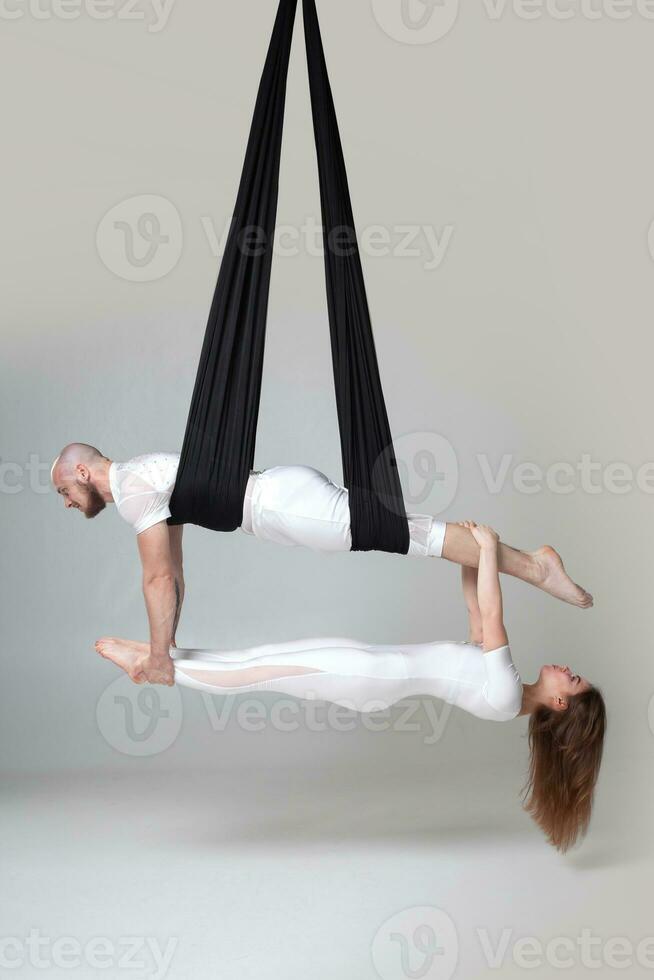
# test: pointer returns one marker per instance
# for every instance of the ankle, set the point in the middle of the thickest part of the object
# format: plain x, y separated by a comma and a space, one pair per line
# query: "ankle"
535, 573
523, 565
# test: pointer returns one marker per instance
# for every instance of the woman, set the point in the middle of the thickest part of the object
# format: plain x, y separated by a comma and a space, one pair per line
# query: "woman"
567, 714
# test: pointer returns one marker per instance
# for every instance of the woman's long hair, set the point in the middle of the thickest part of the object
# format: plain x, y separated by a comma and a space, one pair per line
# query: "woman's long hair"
565, 756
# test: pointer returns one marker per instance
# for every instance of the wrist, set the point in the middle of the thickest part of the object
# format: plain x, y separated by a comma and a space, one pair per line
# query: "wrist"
159, 657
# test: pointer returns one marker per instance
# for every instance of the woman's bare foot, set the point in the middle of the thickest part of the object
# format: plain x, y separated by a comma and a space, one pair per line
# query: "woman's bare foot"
123, 653
553, 579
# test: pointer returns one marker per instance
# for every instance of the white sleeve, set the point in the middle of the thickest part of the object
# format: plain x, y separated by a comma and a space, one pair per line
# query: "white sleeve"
503, 687
153, 508
143, 505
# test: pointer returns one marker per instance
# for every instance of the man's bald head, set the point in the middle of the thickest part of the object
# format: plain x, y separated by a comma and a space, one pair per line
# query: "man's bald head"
79, 474
71, 455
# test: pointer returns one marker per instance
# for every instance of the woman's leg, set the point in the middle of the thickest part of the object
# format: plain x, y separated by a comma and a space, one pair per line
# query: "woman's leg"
273, 649
231, 681
242, 668
542, 568
358, 677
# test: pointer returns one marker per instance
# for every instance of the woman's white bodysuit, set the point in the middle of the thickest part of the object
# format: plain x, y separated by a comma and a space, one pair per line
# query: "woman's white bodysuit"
362, 676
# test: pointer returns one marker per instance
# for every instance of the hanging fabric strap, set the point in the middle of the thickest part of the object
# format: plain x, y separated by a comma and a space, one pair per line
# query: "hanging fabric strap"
219, 443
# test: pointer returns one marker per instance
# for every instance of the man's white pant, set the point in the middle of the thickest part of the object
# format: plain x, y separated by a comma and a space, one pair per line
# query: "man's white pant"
300, 506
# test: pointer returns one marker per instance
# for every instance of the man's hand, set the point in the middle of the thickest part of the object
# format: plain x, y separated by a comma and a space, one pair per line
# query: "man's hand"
154, 670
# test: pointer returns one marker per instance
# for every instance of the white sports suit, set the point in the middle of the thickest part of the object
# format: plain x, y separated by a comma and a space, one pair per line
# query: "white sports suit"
362, 676
290, 505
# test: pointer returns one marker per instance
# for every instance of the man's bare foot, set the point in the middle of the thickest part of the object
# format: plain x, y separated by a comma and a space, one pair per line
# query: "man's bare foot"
553, 579
123, 653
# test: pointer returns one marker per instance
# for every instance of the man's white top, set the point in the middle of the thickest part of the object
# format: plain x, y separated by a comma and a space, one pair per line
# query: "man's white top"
365, 677
296, 506
142, 488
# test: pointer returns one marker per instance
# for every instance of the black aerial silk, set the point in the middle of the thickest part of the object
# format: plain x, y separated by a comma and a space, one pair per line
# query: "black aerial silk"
219, 443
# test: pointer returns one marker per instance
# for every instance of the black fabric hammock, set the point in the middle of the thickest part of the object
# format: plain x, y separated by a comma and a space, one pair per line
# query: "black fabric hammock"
219, 443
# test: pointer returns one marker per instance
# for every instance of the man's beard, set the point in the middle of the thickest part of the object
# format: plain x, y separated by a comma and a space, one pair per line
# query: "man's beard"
94, 501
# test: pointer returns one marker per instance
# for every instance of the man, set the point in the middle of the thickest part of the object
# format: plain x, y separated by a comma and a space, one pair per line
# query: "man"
290, 505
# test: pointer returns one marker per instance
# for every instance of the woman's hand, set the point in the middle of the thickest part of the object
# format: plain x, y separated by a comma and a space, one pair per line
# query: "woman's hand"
485, 536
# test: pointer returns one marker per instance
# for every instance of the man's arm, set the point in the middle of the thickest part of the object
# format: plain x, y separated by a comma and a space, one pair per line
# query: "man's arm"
163, 592
175, 532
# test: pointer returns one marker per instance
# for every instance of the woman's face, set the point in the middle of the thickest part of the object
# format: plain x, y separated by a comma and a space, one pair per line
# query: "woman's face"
560, 683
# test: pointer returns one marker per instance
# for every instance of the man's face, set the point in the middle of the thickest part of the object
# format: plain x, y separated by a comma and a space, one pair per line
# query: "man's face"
81, 494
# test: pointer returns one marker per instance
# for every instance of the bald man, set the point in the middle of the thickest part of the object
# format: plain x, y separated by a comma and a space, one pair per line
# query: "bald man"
289, 505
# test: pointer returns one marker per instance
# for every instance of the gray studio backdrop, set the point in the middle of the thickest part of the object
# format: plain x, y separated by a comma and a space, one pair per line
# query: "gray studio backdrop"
501, 173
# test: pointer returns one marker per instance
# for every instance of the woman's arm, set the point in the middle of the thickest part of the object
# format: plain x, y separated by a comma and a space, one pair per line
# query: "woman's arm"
469, 584
489, 591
